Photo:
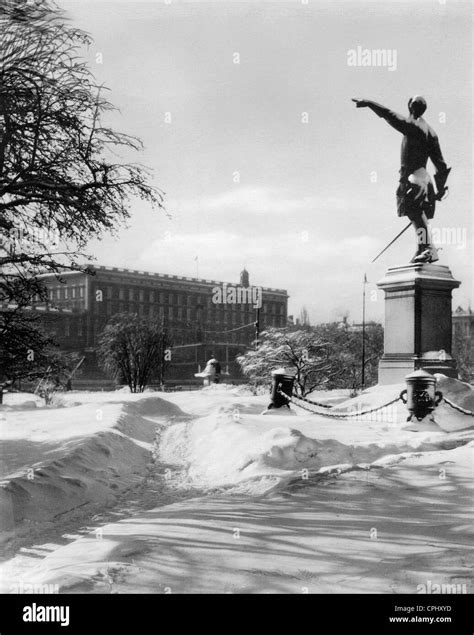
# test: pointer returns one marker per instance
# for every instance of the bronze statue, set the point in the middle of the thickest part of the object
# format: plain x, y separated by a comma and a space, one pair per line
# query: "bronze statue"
416, 197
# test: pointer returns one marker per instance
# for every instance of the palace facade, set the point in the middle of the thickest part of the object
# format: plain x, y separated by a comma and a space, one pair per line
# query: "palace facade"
199, 316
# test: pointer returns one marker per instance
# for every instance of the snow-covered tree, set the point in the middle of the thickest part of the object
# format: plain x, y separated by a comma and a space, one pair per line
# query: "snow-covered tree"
302, 351
323, 356
133, 349
346, 352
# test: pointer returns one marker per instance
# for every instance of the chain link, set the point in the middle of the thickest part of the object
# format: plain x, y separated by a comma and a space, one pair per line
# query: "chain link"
315, 403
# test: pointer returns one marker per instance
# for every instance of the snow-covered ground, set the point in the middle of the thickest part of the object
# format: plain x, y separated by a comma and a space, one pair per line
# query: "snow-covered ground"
198, 492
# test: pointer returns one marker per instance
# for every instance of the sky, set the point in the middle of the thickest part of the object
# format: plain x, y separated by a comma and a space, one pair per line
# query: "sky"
246, 115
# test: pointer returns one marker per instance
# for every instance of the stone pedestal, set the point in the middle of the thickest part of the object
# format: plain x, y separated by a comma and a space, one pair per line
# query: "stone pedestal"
417, 321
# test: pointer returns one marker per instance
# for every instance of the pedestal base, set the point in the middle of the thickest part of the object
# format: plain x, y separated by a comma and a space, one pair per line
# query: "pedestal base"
418, 321
393, 369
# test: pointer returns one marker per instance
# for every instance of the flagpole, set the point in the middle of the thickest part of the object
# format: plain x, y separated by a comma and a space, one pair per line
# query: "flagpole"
363, 333
197, 266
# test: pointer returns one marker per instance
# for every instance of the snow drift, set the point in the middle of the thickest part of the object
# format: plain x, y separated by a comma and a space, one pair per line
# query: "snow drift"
89, 452
230, 448
96, 445
55, 460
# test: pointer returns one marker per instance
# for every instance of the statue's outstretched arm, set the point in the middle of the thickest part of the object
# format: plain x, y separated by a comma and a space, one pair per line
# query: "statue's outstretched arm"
397, 121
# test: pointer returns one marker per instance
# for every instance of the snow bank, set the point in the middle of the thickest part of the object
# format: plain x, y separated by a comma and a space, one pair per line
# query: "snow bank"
215, 439
96, 445
232, 444
229, 447
55, 460
445, 417
216, 450
306, 540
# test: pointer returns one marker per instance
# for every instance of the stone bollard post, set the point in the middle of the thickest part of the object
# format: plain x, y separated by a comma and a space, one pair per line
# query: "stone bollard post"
281, 380
421, 394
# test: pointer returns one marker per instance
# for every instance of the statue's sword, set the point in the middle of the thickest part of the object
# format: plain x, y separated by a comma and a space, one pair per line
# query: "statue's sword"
391, 242
440, 179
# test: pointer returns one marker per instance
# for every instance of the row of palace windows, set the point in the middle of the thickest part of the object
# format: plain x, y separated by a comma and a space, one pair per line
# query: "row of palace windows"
65, 293
68, 328
180, 313
210, 309
75, 328
181, 299
161, 297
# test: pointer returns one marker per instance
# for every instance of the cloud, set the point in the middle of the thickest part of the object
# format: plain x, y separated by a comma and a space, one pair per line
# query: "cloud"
307, 266
255, 201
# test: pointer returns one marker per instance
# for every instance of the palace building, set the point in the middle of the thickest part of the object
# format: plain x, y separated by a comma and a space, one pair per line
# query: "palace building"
199, 316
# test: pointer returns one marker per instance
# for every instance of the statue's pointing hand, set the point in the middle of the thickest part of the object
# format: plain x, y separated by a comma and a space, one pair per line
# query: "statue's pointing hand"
360, 103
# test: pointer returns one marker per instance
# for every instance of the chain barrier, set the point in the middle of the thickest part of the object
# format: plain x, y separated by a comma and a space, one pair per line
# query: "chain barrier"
341, 415
347, 415
458, 408
315, 403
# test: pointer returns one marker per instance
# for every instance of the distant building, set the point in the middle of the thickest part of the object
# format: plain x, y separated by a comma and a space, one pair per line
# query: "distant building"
358, 326
463, 333
463, 322
200, 316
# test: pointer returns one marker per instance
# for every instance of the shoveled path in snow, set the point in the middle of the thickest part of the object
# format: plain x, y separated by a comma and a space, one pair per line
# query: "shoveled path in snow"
51, 439
386, 530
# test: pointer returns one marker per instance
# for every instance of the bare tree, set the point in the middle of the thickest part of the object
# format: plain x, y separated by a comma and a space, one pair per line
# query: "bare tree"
62, 181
